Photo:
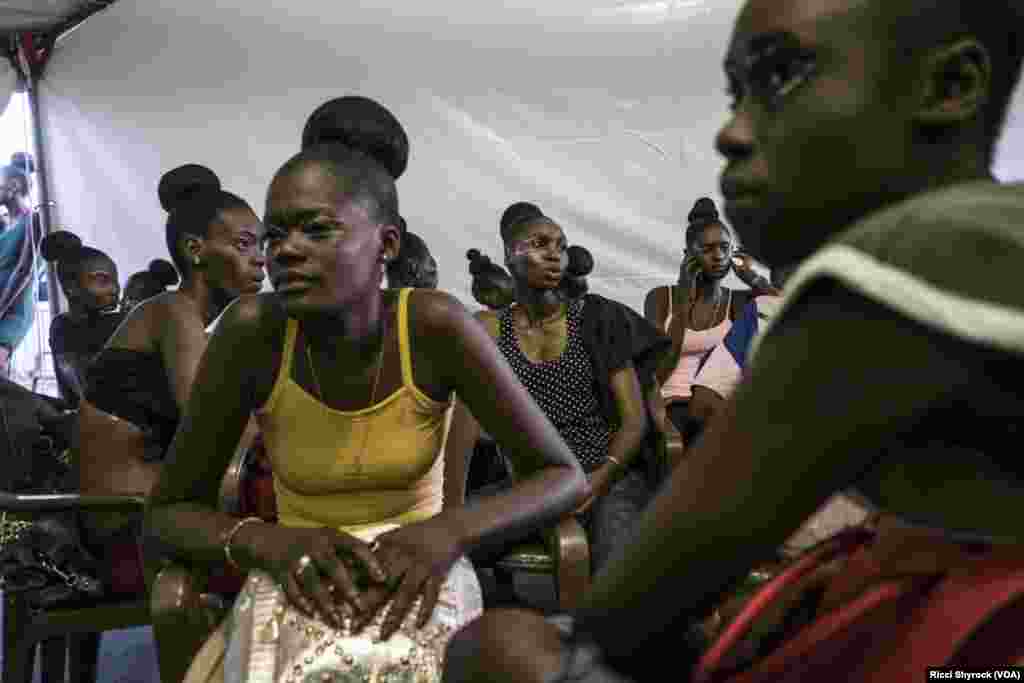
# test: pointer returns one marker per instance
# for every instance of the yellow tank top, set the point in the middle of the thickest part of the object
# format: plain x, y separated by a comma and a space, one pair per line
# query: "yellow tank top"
323, 477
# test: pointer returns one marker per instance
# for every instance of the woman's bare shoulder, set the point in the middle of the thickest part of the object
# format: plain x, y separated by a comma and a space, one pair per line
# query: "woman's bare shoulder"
257, 318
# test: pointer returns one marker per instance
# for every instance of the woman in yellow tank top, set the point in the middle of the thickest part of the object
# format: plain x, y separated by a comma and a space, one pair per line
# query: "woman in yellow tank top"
351, 386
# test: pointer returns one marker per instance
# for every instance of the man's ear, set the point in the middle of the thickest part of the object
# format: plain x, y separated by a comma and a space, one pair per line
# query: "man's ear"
957, 79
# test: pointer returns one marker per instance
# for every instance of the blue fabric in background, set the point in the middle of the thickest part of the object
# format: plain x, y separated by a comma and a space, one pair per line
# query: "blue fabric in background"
16, 307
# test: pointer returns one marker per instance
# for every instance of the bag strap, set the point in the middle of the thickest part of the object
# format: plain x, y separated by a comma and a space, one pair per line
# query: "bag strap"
943, 613
965, 600
844, 543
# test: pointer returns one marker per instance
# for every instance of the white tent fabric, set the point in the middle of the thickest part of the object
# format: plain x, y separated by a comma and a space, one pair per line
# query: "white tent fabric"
602, 113
8, 83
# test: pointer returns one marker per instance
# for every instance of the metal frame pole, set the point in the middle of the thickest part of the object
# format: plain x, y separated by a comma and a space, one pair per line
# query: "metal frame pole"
35, 69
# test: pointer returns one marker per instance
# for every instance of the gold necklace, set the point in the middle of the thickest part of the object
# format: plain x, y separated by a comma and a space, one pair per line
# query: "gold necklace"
377, 375
373, 392
713, 314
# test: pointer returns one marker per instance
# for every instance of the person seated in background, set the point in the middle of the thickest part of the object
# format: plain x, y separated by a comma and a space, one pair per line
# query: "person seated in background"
859, 148
88, 278
141, 380
493, 288
352, 384
414, 267
17, 257
587, 362
721, 369
146, 284
698, 311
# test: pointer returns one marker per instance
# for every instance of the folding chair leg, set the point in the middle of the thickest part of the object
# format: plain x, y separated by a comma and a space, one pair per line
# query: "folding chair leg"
83, 656
19, 656
54, 660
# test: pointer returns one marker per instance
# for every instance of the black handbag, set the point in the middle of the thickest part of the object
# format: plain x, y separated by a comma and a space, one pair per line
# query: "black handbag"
42, 560
44, 563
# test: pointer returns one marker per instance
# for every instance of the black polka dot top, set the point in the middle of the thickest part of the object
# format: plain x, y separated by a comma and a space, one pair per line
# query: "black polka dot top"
563, 388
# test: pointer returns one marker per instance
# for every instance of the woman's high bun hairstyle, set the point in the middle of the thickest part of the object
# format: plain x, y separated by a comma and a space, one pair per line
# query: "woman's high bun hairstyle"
365, 145
71, 256
704, 214
489, 277
516, 216
360, 124
193, 199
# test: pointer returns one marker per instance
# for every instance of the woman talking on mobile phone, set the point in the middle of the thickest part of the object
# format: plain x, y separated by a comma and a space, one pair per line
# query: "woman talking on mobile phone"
698, 311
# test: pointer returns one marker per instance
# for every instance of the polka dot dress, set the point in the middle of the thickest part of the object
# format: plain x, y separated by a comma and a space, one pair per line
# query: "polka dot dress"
563, 388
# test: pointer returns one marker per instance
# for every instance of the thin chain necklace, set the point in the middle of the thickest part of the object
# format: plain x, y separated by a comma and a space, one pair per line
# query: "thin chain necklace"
373, 392
715, 310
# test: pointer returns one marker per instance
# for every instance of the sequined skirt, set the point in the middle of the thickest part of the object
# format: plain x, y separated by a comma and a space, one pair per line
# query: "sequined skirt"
266, 640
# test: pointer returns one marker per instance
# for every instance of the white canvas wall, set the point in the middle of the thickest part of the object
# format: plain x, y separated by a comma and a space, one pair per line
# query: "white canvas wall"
604, 114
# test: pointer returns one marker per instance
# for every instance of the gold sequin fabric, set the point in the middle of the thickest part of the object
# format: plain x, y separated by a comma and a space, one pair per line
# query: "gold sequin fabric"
269, 641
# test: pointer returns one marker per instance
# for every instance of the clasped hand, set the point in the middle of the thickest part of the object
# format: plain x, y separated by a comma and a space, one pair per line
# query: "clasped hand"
345, 581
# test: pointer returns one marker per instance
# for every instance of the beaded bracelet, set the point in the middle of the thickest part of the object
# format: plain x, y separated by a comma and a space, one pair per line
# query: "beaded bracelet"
230, 535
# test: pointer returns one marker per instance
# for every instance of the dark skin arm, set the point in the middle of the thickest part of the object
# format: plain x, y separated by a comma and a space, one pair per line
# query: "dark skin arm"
704, 403
462, 437
183, 503
552, 481
629, 403
759, 471
656, 310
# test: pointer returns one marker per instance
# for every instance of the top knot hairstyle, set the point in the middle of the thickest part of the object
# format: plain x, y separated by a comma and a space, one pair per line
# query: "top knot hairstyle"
364, 146
702, 215
516, 216
492, 285
193, 198
362, 124
72, 257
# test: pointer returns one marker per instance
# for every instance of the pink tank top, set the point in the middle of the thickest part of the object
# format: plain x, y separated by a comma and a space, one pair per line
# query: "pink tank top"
696, 343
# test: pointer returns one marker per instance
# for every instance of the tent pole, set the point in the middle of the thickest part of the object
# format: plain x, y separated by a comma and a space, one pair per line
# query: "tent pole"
44, 191
35, 69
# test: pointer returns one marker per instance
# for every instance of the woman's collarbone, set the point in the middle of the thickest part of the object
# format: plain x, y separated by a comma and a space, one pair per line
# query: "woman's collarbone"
544, 344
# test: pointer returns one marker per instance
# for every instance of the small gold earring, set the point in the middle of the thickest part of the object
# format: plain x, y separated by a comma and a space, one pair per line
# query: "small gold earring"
196, 261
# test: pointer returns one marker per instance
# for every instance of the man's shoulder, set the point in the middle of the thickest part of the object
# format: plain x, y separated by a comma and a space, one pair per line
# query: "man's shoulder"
980, 212
966, 240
